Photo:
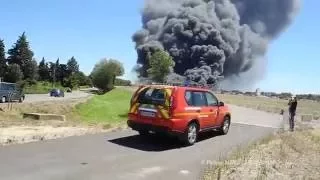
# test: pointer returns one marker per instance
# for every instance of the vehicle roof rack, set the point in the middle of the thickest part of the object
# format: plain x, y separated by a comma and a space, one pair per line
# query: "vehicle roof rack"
208, 86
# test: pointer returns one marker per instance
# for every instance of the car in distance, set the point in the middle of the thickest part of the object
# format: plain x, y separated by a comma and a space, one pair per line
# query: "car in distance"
57, 93
10, 92
180, 111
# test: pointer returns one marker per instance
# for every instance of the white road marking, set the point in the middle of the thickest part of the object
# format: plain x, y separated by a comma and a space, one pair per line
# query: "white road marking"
141, 173
148, 171
184, 172
256, 124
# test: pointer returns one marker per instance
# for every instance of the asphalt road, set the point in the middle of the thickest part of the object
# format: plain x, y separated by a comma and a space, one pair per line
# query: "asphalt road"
31, 98
124, 155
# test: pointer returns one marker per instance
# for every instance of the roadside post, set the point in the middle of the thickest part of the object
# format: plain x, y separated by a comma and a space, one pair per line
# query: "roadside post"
10, 101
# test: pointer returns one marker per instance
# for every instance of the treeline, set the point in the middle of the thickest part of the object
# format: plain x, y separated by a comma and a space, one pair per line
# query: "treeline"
285, 95
20, 66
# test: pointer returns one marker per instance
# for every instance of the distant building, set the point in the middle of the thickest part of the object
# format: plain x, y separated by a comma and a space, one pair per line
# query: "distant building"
258, 92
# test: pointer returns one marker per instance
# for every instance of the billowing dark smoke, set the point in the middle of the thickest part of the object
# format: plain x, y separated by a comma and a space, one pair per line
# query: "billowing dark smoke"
213, 39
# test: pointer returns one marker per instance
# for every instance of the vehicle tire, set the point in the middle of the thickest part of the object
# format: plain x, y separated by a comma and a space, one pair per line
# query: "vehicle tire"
3, 99
224, 129
190, 137
143, 132
21, 99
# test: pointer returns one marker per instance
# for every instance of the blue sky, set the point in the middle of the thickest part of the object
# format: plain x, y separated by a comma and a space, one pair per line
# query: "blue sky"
91, 30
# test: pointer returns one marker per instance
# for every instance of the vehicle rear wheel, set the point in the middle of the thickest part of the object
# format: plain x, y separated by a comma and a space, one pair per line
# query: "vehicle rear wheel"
225, 126
143, 132
190, 136
3, 99
21, 99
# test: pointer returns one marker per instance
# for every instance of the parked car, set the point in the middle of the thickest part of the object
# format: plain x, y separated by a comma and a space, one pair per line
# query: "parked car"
57, 93
10, 92
183, 112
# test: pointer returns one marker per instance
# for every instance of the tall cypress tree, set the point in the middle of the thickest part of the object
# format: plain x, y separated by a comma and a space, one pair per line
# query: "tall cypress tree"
44, 71
3, 62
21, 54
31, 68
73, 66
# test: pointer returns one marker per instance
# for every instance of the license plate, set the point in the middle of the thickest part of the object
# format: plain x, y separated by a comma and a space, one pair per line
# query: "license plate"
147, 114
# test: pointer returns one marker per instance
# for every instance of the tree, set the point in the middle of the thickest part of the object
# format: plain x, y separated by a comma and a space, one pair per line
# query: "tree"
52, 71
57, 70
104, 73
72, 81
82, 78
122, 82
160, 64
116, 66
21, 54
3, 62
31, 67
43, 70
72, 65
14, 73
77, 79
63, 73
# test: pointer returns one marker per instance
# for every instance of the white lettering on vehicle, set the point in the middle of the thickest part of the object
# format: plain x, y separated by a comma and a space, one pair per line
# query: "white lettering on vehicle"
148, 109
192, 108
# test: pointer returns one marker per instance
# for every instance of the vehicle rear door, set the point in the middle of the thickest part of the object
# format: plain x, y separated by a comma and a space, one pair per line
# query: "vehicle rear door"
199, 101
213, 108
153, 104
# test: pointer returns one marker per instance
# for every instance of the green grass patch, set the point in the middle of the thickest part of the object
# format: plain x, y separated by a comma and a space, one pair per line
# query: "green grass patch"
110, 108
40, 88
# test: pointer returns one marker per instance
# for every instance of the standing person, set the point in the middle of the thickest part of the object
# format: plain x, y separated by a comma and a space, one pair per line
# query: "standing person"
292, 111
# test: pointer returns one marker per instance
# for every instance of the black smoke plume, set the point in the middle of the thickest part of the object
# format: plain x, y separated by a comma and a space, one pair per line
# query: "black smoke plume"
213, 39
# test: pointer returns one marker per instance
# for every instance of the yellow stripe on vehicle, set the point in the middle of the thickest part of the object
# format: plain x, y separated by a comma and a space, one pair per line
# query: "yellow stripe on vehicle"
169, 92
137, 93
167, 96
134, 108
163, 112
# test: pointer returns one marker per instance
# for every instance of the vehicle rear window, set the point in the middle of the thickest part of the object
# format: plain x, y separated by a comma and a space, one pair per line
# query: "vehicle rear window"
152, 96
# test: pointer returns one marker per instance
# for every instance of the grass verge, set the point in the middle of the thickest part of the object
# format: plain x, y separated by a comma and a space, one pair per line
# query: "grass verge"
106, 110
12, 115
272, 105
282, 156
110, 108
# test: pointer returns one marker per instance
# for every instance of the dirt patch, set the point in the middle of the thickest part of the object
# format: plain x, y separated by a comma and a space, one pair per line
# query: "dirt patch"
13, 116
286, 155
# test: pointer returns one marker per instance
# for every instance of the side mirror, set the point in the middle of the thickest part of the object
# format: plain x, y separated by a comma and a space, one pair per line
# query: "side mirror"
221, 103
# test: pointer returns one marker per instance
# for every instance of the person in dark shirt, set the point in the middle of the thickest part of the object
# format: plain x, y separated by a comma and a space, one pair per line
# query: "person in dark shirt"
292, 111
